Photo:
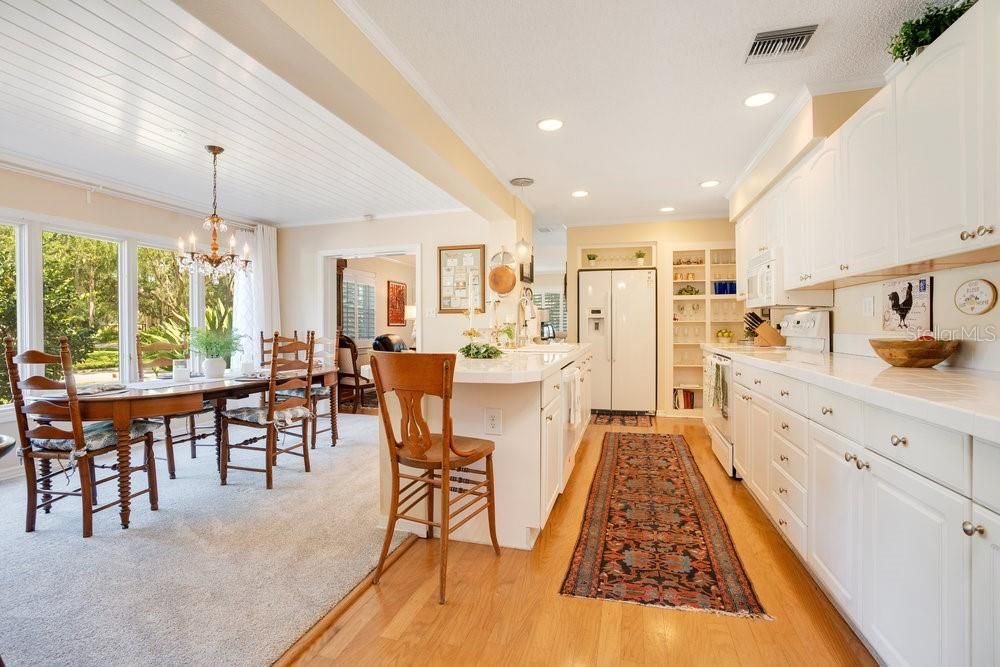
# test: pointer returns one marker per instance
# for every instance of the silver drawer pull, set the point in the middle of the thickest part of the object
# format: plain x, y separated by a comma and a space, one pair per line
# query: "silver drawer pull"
826, 411
862, 465
971, 529
844, 267
782, 523
782, 489
896, 440
784, 426
850, 457
739, 374
549, 418
756, 381
965, 235
783, 458
983, 230
784, 392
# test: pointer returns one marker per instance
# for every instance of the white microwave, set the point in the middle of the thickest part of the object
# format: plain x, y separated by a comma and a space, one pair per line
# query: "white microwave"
765, 288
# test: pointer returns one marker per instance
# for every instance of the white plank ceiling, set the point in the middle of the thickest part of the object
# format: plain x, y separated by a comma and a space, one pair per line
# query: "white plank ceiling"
126, 93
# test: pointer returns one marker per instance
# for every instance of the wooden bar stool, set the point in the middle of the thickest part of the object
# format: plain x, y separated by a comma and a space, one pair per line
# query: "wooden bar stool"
443, 457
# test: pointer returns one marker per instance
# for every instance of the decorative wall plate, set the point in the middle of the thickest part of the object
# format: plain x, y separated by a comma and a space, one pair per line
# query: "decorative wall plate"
975, 297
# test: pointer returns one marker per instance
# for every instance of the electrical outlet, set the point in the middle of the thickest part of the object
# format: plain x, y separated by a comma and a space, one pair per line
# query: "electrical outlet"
493, 421
868, 306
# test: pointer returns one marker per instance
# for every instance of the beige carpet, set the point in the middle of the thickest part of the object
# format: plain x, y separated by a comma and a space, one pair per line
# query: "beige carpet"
218, 576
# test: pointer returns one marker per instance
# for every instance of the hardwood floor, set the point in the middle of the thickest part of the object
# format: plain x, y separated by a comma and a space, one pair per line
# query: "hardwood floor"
508, 610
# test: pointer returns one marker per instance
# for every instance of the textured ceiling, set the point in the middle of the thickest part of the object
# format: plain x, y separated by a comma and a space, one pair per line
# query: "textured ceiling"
650, 90
126, 93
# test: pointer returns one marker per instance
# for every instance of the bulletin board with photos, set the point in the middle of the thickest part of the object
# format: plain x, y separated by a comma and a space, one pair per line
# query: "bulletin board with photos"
461, 283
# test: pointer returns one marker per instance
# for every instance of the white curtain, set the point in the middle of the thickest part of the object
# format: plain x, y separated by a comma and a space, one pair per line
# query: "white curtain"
255, 296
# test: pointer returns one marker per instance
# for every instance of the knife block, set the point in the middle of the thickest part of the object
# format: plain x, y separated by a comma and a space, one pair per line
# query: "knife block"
768, 336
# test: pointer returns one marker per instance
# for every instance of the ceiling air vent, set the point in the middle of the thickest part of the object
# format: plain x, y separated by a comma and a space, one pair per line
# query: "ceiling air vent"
544, 230
780, 44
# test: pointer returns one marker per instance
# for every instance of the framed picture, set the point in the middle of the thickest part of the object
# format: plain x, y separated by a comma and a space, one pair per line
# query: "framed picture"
461, 283
395, 303
528, 271
907, 305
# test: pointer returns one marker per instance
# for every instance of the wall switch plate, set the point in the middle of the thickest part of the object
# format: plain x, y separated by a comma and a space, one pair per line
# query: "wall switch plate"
868, 306
493, 421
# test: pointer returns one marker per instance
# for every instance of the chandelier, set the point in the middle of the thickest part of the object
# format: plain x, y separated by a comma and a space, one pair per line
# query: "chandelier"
213, 265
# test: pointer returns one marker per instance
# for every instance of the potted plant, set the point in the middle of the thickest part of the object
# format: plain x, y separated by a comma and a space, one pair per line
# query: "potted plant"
640, 257
214, 345
916, 34
591, 259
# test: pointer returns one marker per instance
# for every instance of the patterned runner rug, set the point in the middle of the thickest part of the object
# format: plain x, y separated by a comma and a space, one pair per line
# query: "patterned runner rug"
653, 535
621, 419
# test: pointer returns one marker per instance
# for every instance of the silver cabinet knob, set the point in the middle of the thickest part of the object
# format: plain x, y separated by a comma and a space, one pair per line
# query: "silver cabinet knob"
862, 465
784, 426
783, 458
782, 522
756, 380
782, 489
971, 529
983, 230
966, 235
896, 440
844, 267
549, 418
850, 457
784, 392
738, 374
826, 411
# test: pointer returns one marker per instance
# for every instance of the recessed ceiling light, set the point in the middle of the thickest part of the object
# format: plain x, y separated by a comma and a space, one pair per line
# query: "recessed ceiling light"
580, 193
709, 184
759, 99
667, 209
549, 124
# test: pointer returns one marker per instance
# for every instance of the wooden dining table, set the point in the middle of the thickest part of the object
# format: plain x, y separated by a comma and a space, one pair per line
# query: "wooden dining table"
137, 402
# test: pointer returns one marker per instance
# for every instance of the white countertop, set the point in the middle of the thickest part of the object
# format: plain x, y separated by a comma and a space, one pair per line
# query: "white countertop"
958, 398
516, 366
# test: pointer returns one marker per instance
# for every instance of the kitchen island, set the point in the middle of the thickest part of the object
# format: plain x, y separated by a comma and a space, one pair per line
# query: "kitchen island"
536, 440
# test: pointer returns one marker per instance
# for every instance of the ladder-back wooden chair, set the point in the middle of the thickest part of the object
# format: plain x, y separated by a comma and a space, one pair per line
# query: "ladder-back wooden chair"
267, 345
325, 356
279, 415
349, 379
444, 458
78, 445
157, 356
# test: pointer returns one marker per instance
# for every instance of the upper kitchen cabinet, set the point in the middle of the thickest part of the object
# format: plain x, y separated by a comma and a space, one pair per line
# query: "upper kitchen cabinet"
990, 233
938, 115
827, 246
796, 230
868, 180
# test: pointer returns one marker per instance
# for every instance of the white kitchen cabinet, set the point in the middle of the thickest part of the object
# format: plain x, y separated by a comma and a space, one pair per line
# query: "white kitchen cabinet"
551, 453
769, 229
796, 228
868, 176
985, 586
826, 256
759, 430
916, 573
938, 111
740, 420
835, 510
742, 258
991, 124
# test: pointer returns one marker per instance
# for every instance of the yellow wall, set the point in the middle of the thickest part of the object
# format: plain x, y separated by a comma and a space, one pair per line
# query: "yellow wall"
666, 236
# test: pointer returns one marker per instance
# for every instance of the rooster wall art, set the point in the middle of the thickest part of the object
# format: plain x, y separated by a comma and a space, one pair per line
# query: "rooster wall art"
907, 304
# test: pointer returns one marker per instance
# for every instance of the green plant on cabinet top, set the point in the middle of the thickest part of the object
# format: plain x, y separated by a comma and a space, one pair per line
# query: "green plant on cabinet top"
922, 31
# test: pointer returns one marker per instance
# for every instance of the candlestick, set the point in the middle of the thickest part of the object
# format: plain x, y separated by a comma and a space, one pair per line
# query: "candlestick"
232, 242
180, 244
191, 240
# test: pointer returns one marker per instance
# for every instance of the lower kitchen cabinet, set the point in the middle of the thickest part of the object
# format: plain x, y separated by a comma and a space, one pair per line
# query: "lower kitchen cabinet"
985, 538
916, 566
834, 524
741, 432
551, 463
759, 429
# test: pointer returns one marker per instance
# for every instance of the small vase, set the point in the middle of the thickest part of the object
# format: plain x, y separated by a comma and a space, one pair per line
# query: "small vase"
641, 261
591, 262
214, 368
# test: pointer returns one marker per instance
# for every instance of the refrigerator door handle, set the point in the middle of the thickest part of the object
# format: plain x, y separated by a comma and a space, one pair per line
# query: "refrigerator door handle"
607, 326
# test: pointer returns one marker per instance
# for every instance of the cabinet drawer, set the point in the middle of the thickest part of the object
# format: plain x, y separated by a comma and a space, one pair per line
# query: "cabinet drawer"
790, 393
750, 377
789, 525
790, 426
837, 412
939, 453
789, 458
551, 387
785, 489
986, 473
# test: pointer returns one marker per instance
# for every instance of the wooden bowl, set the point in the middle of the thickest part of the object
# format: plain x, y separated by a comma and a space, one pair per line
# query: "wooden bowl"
913, 353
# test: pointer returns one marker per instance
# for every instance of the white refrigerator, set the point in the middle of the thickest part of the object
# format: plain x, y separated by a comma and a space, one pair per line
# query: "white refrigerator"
617, 316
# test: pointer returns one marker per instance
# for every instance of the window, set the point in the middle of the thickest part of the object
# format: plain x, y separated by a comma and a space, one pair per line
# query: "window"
163, 296
8, 299
80, 301
556, 305
219, 309
359, 307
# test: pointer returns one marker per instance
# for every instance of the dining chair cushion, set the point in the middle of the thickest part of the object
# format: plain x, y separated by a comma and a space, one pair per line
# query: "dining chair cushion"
282, 418
97, 435
318, 392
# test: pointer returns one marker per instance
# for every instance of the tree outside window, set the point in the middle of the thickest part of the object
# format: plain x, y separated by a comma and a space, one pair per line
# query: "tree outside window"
163, 297
8, 300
